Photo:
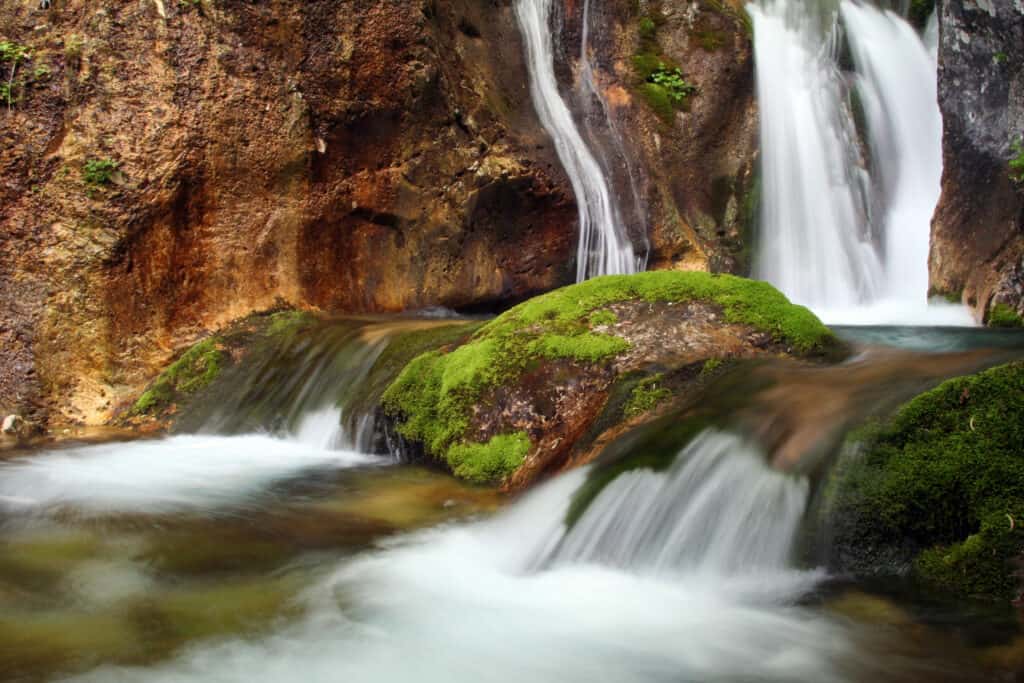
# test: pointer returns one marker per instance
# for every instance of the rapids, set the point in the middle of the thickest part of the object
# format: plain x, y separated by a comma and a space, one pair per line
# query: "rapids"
285, 555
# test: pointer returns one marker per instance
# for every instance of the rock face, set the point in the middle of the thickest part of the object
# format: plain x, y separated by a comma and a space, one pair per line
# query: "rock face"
685, 175
172, 166
978, 230
510, 403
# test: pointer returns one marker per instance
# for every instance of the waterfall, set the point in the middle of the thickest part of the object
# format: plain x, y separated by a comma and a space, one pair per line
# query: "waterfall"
604, 247
719, 509
848, 242
896, 82
816, 243
588, 94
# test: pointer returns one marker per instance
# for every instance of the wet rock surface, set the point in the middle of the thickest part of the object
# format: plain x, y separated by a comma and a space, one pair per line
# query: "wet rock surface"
977, 252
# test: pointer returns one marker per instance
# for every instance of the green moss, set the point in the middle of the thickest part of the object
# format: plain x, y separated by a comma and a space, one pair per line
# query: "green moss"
1017, 161
196, 368
287, 323
647, 28
710, 41
646, 396
710, 366
588, 348
645, 64
946, 475
435, 394
492, 461
658, 100
603, 318
1001, 315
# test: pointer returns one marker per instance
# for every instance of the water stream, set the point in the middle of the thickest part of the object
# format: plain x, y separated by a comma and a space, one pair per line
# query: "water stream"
258, 554
604, 246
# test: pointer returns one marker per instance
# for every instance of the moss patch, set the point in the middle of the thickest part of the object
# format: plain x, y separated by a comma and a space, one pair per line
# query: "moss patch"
434, 396
646, 396
946, 476
205, 362
1001, 315
196, 368
491, 461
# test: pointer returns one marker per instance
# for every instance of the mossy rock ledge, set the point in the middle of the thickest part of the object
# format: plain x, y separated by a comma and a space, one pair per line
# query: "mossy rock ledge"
937, 492
203, 363
508, 404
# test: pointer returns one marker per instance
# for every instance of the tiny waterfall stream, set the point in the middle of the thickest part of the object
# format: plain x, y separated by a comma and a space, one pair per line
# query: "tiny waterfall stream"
604, 247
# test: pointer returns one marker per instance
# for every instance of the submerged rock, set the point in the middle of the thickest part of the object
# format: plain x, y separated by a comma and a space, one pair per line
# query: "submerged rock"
512, 401
937, 491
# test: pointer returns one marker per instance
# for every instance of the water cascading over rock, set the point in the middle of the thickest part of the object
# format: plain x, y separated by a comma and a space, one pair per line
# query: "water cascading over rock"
841, 233
604, 247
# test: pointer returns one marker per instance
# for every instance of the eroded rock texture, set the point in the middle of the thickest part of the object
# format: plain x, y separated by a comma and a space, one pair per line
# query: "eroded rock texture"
978, 231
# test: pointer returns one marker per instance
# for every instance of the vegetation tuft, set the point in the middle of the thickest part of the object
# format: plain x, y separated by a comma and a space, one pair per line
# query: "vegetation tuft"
12, 55
99, 172
945, 476
1017, 161
1001, 315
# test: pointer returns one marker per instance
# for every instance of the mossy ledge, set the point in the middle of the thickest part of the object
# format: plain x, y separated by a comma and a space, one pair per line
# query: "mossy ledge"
434, 397
204, 361
943, 483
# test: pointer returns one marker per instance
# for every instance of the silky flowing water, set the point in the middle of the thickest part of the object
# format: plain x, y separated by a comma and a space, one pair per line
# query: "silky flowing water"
281, 554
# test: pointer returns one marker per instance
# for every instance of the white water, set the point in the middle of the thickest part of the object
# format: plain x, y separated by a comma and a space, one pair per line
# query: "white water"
165, 475
588, 93
690, 518
463, 603
851, 246
604, 247
815, 240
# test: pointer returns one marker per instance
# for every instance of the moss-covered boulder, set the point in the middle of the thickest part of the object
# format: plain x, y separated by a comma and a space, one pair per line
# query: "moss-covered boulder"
937, 492
509, 403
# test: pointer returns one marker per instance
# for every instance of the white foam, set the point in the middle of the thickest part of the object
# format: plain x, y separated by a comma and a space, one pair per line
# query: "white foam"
182, 472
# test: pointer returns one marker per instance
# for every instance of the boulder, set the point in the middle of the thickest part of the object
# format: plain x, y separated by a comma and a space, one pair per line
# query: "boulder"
512, 401
937, 491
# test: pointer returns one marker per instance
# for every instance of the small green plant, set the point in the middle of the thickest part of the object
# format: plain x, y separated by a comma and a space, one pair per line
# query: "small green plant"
41, 73
13, 54
648, 29
99, 172
1017, 161
1000, 57
673, 82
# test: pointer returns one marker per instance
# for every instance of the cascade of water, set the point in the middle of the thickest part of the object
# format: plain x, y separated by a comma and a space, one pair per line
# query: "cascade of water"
719, 509
896, 83
589, 94
816, 244
302, 386
604, 248
851, 245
